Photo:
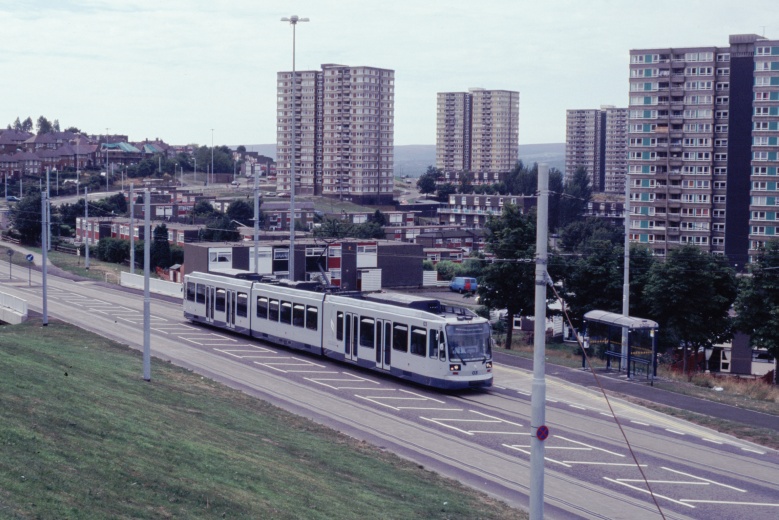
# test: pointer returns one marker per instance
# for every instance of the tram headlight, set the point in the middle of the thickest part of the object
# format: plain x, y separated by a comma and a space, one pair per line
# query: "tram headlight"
454, 368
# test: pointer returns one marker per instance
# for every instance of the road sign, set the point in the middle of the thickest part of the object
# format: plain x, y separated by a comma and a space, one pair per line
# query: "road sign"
10, 252
542, 433
29, 257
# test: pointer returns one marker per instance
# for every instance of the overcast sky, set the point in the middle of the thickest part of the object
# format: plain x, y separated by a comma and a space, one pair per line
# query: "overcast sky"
175, 69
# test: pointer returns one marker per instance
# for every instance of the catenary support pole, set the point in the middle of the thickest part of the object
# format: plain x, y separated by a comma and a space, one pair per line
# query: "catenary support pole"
147, 238
86, 228
256, 220
44, 258
626, 277
538, 397
132, 229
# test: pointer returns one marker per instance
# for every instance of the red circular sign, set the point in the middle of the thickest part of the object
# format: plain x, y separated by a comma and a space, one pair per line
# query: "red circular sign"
542, 433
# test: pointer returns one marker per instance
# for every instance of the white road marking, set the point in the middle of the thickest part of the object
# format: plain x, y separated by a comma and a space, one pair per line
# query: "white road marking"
588, 446
674, 431
519, 448
763, 504
711, 440
605, 464
497, 419
576, 406
703, 479
617, 481
754, 451
639, 423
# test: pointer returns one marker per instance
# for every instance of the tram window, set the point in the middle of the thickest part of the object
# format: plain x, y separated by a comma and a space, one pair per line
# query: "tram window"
191, 291
286, 313
262, 307
367, 332
432, 344
312, 317
298, 315
273, 310
339, 326
418, 340
242, 305
201, 293
400, 337
219, 301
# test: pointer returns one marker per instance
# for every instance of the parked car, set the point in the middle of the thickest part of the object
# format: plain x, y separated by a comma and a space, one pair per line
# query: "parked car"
12, 198
463, 284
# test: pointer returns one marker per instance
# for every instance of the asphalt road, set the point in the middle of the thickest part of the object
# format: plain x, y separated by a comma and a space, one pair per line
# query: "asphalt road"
479, 438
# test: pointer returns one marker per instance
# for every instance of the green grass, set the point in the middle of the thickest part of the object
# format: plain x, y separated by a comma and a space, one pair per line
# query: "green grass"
83, 436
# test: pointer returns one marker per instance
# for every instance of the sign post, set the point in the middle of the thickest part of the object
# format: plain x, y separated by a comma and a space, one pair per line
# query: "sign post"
29, 258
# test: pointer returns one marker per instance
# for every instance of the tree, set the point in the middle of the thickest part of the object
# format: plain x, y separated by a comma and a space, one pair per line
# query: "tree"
44, 126
466, 182
17, 125
220, 228
427, 181
333, 228
160, 248
113, 250
26, 217
203, 208
509, 282
223, 158
555, 194
757, 305
368, 230
577, 235
241, 149
522, 180
241, 211
56, 125
577, 194
378, 218
27, 125
690, 295
445, 190
73, 130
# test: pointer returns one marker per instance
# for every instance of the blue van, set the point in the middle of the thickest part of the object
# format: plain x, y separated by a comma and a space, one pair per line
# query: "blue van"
463, 284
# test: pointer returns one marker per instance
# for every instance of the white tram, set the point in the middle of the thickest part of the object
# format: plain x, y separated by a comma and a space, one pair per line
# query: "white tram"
406, 336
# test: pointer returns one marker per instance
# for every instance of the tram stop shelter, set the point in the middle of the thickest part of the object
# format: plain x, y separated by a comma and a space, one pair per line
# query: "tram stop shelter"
604, 332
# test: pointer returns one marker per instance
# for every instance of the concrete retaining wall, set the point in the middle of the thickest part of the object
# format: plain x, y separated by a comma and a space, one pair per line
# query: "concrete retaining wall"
13, 310
135, 281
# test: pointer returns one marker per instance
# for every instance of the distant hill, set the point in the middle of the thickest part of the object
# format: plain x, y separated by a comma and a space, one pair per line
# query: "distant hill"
413, 159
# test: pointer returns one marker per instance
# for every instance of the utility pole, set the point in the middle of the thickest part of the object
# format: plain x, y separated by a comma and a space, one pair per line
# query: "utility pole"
256, 221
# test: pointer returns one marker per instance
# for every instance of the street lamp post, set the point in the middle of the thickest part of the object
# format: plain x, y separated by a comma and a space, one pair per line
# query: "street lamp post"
293, 21
212, 155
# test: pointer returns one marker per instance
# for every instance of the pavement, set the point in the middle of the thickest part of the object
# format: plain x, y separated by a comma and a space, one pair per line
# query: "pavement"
616, 382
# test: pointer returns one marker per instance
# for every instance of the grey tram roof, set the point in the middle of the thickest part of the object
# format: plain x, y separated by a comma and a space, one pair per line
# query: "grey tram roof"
619, 320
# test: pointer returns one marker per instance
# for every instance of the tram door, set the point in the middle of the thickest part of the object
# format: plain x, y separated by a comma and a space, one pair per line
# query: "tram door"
351, 336
383, 343
230, 310
210, 297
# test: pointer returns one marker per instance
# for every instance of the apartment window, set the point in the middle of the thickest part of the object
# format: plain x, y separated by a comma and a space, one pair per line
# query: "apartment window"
721, 128
720, 142
718, 241
719, 185
722, 85
758, 230
759, 185
719, 199
718, 213
722, 100
721, 114
758, 215
723, 72
718, 226
720, 157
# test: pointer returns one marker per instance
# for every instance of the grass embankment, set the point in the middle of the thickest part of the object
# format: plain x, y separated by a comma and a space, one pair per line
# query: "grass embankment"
83, 436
